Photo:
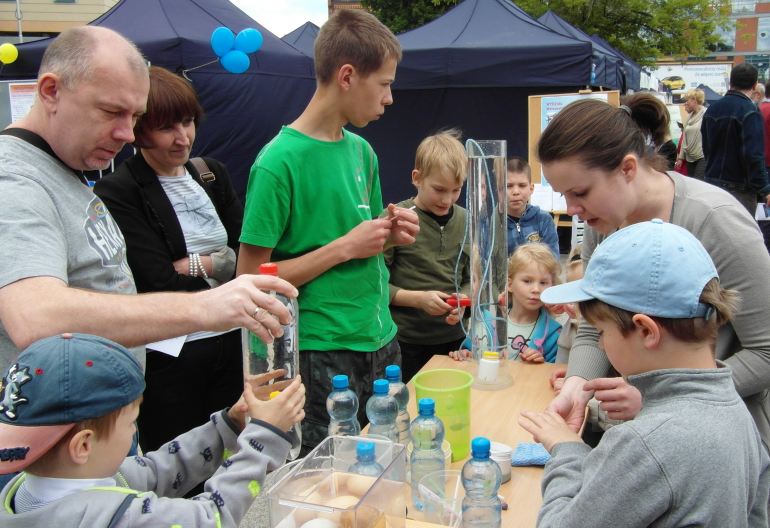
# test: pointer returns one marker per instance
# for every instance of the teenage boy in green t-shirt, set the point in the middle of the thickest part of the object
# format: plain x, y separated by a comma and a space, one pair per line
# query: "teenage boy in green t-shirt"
311, 207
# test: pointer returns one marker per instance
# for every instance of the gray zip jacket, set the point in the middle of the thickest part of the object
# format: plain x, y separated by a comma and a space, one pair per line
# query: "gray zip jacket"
150, 488
692, 457
735, 244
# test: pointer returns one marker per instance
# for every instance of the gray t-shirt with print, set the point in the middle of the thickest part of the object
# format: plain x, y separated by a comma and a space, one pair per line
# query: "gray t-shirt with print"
55, 226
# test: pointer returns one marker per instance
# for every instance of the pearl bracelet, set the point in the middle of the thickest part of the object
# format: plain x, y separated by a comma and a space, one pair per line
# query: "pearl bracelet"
200, 266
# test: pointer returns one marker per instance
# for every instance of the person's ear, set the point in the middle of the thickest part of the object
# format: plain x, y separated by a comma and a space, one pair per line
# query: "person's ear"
649, 331
344, 75
415, 179
49, 88
531, 187
80, 446
628, 167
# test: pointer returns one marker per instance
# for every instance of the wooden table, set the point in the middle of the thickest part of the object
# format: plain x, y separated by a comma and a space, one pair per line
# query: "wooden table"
494, 414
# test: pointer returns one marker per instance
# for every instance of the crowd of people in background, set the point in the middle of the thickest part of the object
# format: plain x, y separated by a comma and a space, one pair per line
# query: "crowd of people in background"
373, 285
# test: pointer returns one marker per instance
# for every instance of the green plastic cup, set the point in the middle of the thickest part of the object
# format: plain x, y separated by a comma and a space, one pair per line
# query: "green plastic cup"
451, 390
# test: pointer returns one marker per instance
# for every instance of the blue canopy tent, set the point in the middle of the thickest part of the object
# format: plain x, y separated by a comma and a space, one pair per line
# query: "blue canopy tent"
608, 65
244, 111
303, 38
473, 68
632, 69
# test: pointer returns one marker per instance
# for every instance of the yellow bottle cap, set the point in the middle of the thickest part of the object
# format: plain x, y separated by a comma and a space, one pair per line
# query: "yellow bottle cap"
274, 394
491, 355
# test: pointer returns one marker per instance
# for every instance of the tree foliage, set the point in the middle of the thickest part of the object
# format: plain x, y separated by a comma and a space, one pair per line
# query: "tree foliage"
645, 29
403, 15
642, 29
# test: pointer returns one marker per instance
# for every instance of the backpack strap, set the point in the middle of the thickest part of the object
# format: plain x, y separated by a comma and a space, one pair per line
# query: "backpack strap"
203, 169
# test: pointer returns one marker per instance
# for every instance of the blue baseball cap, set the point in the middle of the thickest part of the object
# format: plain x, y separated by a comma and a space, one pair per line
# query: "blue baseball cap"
653, 268
55, 383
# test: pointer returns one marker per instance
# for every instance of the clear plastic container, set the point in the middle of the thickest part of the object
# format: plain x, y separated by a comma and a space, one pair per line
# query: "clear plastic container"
283, 353
401, 393
382, 411
323, 486
487, 174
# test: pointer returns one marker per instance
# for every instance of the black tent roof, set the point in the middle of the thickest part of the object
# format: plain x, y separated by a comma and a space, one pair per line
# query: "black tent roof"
633, 70
303, 38
244, 111
490, 43
608, 71
710, 94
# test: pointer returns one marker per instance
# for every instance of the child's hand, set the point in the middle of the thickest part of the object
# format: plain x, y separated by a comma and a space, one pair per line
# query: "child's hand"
454, 316
433, 302
548, 428
557, 379
284, 410
405, 224
261, 391
461, 355
530, 354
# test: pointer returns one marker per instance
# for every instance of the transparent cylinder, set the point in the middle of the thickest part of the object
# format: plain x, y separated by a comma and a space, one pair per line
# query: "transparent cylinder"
283, 353
489, 256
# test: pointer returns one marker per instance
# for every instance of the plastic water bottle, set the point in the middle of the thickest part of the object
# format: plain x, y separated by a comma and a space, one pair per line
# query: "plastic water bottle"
366, 463
342, 406
481, 479
283, 353
399, 391
427, 455
382, 411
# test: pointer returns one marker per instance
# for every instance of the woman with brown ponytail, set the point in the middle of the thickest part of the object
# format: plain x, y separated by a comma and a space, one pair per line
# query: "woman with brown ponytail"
598, 157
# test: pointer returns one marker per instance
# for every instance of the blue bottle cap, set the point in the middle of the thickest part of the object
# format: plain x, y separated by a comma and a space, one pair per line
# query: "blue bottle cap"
365, 449
381, 386
340, 382
427, 405
393, 373
480, 447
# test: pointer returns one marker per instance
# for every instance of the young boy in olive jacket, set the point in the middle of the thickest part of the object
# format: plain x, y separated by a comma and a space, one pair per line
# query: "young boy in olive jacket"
422, 275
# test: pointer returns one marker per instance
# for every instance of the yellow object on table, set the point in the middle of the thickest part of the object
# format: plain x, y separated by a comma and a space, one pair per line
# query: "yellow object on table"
494, 415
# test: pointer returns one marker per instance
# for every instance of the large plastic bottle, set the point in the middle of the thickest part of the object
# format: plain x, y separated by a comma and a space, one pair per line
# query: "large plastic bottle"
481, 479
427, 436
283, 353
382, 411
342, 406
399, 391
365, 461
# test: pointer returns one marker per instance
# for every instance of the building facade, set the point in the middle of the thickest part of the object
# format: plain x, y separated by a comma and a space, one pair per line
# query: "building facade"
45, 18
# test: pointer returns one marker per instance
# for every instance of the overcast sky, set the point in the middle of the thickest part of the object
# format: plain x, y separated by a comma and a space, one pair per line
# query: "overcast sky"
284, 16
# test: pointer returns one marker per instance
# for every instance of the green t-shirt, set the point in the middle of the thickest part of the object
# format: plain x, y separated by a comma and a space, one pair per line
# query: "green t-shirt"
303, 194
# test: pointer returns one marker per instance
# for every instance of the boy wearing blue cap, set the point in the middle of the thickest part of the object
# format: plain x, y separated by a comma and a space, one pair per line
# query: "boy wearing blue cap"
67, 410
692, 456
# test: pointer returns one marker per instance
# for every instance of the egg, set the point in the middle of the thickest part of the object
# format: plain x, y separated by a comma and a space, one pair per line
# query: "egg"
360, 484
320, 523
302, 515
343, 502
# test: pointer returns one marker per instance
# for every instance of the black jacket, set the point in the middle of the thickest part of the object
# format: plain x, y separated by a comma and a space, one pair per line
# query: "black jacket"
154, 239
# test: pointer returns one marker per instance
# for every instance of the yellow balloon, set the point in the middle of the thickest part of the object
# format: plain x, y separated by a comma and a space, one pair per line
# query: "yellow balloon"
8, 53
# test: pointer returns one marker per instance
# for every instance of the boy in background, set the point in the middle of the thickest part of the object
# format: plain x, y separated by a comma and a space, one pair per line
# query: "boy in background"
422, 275
526, 222
312, 204
68, 405
658, 324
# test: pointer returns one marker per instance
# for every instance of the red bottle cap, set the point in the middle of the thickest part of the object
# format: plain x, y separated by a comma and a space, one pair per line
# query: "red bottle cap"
452, 301
268, 268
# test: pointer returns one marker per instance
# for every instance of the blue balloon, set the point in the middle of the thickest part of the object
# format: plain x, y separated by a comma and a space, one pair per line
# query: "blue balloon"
222, 40
235, 61
248, 41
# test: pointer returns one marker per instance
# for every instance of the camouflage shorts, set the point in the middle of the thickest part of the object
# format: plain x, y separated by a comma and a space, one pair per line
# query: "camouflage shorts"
317, 369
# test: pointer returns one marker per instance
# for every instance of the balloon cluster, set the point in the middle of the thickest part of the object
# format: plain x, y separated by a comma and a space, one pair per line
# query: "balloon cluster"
232, 50
8, 53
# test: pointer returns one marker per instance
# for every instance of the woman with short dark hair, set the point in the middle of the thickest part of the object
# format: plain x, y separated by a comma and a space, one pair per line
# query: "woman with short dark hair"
181, 224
